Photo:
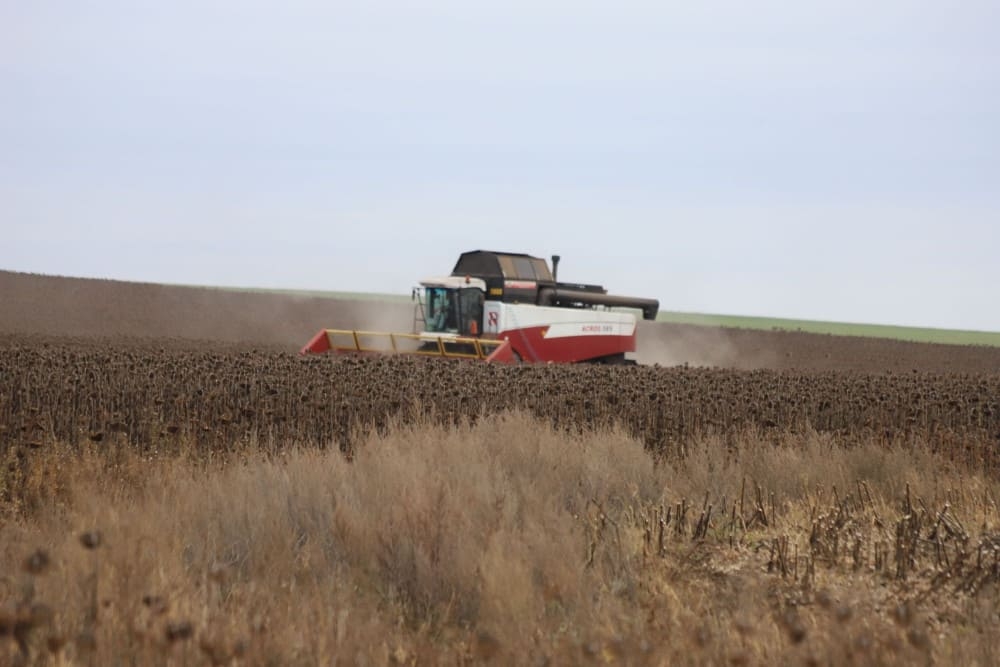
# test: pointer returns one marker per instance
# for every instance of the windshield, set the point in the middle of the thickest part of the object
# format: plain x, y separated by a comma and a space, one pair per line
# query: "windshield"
439, 310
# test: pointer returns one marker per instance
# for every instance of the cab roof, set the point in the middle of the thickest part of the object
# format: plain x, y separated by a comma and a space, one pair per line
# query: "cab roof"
454, 282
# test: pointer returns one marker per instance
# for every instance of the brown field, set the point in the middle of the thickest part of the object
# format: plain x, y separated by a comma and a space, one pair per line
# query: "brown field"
76, 307
178, 487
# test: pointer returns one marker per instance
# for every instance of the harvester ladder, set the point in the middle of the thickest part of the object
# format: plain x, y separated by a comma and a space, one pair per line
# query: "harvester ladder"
419, 319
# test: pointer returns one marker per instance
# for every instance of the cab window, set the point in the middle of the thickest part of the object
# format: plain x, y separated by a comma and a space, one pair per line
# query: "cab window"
439, 310
472, 311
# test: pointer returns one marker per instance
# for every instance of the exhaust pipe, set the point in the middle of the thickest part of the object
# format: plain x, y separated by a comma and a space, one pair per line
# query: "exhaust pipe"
555, 268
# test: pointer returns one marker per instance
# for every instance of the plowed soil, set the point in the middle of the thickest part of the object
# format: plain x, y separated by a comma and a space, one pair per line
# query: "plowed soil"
199, 317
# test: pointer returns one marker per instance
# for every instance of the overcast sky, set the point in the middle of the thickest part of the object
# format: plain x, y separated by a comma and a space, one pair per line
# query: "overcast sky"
835, 160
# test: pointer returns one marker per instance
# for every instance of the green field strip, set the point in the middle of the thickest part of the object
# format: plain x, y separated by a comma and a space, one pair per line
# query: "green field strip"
915, 334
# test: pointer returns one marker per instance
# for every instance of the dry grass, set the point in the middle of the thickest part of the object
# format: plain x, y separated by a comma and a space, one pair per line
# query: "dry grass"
505, 542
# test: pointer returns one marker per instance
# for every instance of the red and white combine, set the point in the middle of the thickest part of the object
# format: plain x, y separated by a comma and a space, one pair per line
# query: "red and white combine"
506, 307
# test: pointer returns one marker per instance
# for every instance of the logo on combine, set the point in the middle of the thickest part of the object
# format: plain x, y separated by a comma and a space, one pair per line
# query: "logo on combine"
493, 318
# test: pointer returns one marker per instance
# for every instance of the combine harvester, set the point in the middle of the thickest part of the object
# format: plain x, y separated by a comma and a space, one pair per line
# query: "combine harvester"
508, 308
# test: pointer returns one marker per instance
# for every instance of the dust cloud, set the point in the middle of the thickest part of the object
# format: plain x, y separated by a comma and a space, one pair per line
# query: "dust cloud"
383, 316
102, 308
678, 344
390, 316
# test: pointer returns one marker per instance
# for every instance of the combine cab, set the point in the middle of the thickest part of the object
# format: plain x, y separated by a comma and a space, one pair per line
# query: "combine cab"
506, 307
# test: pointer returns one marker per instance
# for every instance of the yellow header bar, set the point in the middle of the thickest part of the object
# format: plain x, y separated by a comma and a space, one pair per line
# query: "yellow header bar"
460, 347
